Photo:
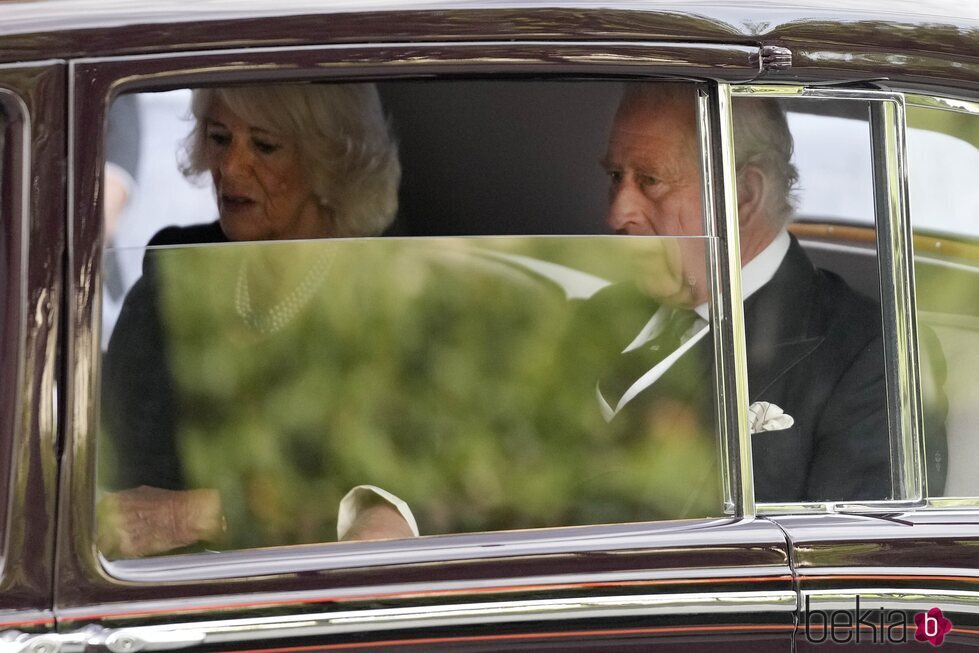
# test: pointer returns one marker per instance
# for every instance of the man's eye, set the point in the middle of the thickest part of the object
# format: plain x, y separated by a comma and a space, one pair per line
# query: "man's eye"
645, 180
266, 148
615, 176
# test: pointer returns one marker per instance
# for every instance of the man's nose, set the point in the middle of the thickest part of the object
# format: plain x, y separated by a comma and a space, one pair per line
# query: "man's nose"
626, 209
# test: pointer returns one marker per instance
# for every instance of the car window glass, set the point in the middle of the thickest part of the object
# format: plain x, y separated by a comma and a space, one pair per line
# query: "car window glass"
813, 323
497, 360
944, 206
945, 198
836, 181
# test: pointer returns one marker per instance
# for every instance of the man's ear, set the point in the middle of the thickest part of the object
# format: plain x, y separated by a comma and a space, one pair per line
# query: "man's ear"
752, 191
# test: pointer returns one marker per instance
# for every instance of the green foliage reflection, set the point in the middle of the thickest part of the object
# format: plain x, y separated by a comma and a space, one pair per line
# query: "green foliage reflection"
446, 371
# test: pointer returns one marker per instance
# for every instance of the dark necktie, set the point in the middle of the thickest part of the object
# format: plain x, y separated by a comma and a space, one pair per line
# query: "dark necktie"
630, 366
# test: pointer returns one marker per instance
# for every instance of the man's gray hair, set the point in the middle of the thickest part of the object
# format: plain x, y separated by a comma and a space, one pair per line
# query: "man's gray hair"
761, 137
345, 144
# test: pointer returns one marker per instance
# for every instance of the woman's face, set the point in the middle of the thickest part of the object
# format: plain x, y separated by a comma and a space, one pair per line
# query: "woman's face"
261, 190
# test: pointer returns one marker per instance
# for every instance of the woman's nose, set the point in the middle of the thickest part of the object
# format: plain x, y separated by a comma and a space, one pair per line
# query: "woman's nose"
235, 159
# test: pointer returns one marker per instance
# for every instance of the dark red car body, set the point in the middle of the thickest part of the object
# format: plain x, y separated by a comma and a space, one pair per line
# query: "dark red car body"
700, 585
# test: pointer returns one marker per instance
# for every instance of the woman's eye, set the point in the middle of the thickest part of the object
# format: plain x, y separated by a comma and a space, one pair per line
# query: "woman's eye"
219, 138
266, 148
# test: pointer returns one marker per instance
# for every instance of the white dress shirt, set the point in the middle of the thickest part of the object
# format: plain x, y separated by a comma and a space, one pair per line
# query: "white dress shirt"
754, 275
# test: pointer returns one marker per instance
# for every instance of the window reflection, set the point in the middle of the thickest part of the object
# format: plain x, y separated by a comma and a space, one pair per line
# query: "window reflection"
460, 375
270, 387
944, 203
812, 317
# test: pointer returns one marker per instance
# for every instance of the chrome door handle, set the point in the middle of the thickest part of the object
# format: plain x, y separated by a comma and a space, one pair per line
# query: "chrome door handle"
13, 641
132, 640
122, 640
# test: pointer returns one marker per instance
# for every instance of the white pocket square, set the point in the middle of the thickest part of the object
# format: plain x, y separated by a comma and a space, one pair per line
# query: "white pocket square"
765, 416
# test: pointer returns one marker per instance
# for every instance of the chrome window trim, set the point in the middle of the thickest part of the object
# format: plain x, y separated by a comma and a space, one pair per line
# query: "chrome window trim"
819, 507
890, 574
597, 51
571, 541
18, 144
231, 631
951, 503
719, 199
896, 276
943, 103
962, 601
639, 580
896, 264
374, 62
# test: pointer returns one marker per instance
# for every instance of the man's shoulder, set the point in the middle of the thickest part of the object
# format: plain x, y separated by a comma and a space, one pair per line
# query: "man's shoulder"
847, 312
835, 308
195, 234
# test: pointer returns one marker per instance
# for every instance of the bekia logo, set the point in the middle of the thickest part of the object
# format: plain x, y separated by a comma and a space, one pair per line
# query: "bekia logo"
873, 625
931, 626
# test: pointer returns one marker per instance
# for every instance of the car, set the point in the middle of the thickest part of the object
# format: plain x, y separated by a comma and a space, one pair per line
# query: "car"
453, 360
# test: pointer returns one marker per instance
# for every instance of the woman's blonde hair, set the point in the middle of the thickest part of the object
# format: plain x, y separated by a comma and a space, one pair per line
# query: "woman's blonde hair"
345, 143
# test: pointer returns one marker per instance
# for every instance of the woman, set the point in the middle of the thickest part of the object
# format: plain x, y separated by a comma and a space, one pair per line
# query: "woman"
287, 162
296, 161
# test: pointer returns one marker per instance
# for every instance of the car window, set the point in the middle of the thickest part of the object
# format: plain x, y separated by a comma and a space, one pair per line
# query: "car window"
944, 206
836, 180
944, 200
813, 321
495, 322
498, 359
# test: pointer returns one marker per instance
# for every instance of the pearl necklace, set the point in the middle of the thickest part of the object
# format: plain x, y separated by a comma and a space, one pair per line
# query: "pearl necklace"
285, 310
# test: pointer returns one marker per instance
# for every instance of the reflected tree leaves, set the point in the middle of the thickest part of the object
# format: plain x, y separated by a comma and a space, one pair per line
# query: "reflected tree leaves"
442, 370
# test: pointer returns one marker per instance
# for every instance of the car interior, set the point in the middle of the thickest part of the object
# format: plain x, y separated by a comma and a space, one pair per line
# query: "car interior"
522, 157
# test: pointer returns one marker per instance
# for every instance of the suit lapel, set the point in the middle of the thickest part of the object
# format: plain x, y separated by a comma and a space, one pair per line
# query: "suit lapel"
778, 339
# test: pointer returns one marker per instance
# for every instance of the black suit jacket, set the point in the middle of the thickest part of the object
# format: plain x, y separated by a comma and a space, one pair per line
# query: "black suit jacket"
815, 349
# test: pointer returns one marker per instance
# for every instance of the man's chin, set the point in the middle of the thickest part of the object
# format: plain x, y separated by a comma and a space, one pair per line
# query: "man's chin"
677, 295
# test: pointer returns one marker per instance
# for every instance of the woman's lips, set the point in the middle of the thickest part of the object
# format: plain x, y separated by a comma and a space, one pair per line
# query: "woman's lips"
234, 203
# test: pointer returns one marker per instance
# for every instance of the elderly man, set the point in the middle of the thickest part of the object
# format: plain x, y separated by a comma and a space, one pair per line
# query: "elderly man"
814, 346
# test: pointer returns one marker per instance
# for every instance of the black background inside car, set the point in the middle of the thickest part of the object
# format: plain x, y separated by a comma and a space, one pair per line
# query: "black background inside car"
501, 157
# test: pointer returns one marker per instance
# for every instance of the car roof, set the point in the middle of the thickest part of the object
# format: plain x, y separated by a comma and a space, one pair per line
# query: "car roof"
39, 29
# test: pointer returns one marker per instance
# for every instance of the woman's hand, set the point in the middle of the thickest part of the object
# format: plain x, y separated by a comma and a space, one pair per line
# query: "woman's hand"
379, 522
368, 512
148, 520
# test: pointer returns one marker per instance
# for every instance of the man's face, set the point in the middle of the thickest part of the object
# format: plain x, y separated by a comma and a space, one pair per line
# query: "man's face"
654, 170
654, 173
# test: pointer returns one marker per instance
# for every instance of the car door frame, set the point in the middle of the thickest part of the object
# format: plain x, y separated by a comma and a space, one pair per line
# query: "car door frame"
33, 97
587, 573
909, 561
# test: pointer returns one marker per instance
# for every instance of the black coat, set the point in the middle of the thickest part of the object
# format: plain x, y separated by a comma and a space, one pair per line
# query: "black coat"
815, 349
138, 396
